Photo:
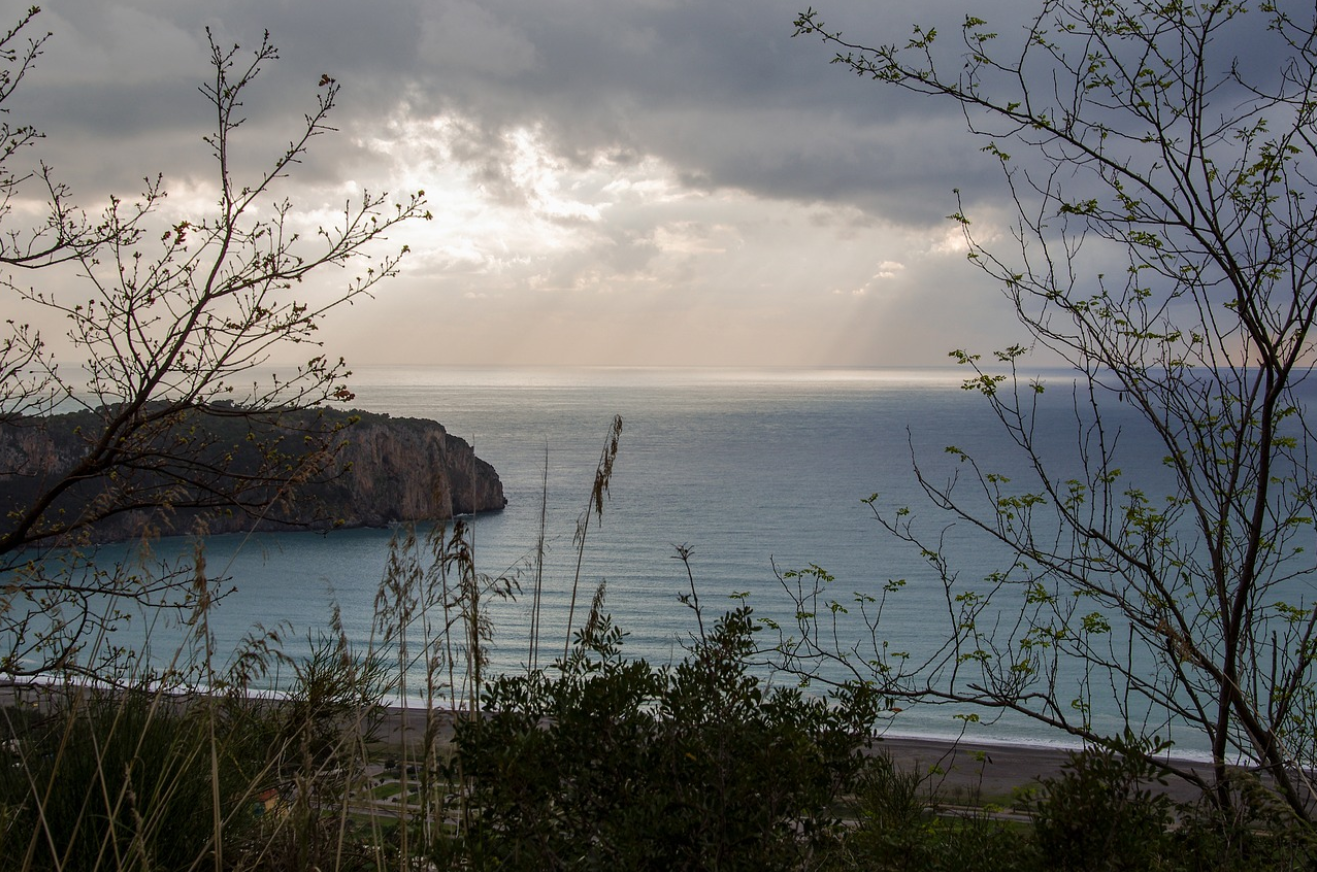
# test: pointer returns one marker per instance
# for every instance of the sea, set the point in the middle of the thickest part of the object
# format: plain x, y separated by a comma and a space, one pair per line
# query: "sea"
756, 475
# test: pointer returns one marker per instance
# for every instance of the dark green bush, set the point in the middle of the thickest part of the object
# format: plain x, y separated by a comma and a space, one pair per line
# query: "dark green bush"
1252, 829
615, 764
1103, 814
896, 827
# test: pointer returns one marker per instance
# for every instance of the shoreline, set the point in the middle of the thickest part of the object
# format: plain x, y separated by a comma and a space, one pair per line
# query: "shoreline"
955, 769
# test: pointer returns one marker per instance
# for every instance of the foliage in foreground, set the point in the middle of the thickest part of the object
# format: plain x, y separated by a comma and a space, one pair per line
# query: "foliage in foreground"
615, 764
118, 782
598, 762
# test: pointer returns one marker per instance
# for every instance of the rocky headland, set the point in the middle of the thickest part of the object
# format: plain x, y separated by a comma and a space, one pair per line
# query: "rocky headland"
229, 472
409, 469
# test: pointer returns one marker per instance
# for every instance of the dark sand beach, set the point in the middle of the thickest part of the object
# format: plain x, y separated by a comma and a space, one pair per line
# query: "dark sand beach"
957, 770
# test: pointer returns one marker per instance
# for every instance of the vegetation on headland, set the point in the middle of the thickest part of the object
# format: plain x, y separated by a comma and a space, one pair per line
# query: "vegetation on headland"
377, 471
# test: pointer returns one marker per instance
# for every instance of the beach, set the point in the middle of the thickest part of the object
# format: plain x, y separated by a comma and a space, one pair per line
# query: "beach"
957, 771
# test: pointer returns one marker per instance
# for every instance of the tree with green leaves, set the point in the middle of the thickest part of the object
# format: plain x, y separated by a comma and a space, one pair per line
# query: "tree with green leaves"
1164, 246
168, 320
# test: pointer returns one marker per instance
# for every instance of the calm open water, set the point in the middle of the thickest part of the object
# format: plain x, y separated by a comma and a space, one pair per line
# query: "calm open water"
750, 469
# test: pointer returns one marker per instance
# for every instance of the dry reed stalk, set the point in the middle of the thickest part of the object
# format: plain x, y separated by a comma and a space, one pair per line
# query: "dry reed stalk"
602, 478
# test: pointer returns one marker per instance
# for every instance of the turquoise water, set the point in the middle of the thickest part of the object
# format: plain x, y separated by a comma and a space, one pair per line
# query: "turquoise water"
756, 472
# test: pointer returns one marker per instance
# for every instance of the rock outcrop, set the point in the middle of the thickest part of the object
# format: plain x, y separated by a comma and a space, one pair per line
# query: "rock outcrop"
221, 471
408, 469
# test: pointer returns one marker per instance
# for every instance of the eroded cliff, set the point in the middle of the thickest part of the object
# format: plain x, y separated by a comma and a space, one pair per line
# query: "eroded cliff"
220, 471
408, 469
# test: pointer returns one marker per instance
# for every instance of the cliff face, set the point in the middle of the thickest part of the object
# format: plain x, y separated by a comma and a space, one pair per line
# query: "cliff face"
225, 472
406, 469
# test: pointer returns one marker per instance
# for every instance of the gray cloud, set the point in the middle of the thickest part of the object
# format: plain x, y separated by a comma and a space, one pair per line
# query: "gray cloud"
719, 90
588, 158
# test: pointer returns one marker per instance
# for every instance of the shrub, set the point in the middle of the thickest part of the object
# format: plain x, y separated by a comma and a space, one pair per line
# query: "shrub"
616, 764
1102, 814
1251, 829
896, 827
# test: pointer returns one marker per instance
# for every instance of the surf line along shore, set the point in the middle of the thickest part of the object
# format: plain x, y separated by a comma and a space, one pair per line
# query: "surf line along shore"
956, 770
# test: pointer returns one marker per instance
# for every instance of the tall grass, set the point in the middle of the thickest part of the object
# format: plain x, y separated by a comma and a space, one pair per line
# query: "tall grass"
195, 766
602, 480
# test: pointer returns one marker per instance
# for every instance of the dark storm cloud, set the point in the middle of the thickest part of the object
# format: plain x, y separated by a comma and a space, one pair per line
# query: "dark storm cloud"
720, 91
588, 158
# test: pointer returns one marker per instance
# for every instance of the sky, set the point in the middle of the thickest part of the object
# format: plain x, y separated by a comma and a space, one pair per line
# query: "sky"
612, 182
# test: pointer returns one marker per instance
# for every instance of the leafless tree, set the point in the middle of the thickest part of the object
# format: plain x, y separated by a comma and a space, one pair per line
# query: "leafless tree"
164, 415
